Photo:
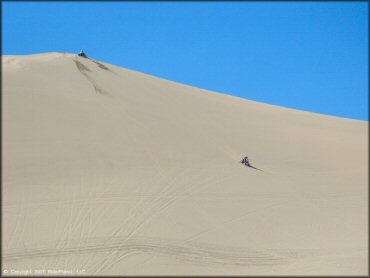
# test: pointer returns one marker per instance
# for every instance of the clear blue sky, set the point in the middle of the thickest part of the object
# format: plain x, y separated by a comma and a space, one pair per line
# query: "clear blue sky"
306, 55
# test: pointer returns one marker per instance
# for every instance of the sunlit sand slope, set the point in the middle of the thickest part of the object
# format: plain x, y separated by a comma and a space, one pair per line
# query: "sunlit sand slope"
108, 171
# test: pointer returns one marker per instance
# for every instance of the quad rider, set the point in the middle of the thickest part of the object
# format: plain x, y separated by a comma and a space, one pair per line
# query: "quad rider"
245, 161
82, 54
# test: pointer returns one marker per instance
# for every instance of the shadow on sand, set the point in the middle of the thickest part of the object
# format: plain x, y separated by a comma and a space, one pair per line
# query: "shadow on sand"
250, 166
255, 168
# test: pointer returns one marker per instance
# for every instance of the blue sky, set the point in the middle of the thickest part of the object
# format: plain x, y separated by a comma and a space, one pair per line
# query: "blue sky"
310, 56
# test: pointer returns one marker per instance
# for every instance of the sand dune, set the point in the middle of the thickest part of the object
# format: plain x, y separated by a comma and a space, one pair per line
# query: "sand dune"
108, 171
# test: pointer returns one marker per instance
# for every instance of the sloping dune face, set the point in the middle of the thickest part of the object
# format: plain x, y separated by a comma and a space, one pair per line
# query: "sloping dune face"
107, 171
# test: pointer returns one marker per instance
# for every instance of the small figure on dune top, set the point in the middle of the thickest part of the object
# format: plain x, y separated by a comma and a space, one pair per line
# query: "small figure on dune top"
82, 54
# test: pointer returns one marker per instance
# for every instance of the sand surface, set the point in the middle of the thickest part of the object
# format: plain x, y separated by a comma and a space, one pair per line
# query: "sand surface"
108, 171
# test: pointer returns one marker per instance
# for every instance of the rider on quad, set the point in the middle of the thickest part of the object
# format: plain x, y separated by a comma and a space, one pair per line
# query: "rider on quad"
245, 161
82, 54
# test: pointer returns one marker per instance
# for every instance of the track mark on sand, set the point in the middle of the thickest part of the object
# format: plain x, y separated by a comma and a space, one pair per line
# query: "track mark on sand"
177, 249
101, 65
84, 71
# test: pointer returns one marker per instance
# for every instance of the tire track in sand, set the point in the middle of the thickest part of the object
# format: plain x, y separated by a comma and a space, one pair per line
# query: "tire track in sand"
84, 71
177, 249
